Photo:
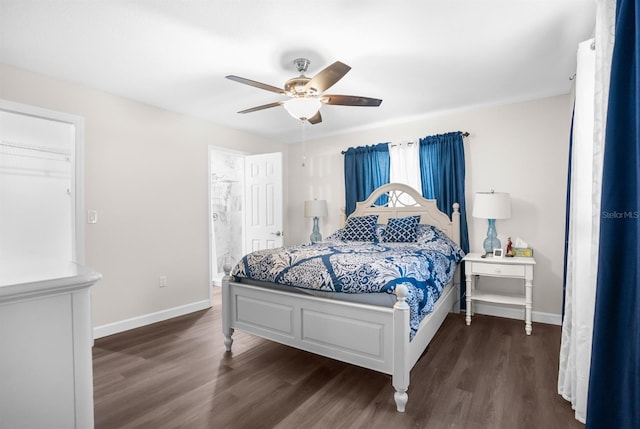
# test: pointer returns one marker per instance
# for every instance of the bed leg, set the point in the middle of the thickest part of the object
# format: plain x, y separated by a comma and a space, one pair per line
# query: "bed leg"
227, 330
401, 334
228, 340
401, 399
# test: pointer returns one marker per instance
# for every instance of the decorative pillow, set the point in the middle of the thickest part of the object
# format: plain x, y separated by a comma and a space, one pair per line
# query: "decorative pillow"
427, 232
379, 231
430, 233
336, 236
401, 230
360, 228
430, 236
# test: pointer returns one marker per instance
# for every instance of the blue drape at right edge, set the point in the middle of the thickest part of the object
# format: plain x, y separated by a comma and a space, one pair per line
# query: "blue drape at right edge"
614, 382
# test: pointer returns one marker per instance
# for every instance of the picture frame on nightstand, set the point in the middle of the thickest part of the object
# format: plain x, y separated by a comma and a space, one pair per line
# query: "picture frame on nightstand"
498, 253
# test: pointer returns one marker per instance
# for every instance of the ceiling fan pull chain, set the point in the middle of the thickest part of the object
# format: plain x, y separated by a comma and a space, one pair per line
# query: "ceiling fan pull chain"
304, 149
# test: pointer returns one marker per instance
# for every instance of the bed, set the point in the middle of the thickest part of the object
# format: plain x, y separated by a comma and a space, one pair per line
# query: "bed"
384, 338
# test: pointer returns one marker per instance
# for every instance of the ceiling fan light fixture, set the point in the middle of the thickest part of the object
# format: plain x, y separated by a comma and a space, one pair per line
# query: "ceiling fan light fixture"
302, 108
307, 94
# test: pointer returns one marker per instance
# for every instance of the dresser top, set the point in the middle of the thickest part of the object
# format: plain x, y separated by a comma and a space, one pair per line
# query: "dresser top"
28, 278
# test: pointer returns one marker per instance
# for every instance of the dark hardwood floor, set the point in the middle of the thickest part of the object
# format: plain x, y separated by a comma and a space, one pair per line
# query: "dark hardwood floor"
176, 374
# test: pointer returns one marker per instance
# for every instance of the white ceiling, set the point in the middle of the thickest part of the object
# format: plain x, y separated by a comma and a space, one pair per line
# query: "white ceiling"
419, 57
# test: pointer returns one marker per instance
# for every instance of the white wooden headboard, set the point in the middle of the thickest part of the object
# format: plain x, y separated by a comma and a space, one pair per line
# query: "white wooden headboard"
405, 201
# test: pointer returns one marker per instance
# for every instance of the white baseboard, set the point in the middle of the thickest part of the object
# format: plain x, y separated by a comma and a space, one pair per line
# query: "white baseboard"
516, 313
159, 316
147, 319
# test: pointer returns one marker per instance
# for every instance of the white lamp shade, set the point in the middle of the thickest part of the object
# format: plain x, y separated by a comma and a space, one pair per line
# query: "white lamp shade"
302, 107
315, 208
492, 205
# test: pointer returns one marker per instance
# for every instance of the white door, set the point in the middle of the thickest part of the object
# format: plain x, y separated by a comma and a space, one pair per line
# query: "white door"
263, 201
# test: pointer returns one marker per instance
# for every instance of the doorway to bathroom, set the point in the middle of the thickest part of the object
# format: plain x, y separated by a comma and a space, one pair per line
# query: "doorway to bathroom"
246, 204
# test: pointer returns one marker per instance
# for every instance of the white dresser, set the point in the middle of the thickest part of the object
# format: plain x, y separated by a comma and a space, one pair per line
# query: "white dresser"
46, 375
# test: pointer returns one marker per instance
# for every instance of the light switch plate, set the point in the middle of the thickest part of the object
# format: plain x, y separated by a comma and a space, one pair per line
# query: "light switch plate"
92, 216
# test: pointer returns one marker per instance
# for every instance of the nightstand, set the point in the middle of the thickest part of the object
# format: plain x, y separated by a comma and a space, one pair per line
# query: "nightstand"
516, 267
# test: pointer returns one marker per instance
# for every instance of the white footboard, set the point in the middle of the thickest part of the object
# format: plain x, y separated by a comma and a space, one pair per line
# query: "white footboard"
350, 332
369, 336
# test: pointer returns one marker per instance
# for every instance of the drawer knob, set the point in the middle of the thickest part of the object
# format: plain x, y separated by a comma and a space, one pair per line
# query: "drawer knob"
498, 270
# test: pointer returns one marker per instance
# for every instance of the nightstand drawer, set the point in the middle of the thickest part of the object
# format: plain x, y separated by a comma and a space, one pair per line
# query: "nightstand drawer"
497, 269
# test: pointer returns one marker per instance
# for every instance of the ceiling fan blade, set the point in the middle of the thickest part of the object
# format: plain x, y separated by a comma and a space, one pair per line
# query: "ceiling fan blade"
315, 119
350, 100
264, 106
256, 84
326, 78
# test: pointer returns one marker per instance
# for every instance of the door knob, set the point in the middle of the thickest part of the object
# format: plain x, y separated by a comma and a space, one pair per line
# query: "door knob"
277, 233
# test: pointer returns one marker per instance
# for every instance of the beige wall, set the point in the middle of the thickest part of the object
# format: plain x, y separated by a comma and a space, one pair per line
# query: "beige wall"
519, 148
146, 175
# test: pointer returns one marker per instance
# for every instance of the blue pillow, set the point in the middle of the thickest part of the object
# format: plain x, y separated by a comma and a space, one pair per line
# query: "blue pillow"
336, 236
401, 230
379, 231
360, 228
430, 237
428, 233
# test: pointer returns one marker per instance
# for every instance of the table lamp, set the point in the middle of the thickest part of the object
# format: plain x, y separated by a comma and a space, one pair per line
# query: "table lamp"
315, 209
491, 205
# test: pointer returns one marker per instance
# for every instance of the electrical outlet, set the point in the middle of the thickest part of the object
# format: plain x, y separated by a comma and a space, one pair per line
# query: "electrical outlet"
163, 281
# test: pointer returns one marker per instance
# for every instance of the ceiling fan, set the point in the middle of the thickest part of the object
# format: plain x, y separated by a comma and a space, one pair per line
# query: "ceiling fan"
306, 93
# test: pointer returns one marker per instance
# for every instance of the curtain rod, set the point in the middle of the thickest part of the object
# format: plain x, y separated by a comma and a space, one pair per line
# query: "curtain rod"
464, 134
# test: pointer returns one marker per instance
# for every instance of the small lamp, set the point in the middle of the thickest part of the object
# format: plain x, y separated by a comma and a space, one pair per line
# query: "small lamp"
315, 209
492, 205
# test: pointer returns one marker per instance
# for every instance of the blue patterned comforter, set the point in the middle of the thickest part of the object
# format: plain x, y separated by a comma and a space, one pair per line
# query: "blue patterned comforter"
425, 267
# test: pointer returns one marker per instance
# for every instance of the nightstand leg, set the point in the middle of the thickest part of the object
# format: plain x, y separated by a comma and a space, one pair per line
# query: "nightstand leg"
528, 286
469, 281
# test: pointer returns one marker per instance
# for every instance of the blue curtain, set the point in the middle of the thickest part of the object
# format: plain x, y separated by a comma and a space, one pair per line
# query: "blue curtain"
614, 382
365, 169
443, 172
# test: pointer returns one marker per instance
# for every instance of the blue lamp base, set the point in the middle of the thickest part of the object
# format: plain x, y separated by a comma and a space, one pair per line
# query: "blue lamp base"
315, 234
491, 242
